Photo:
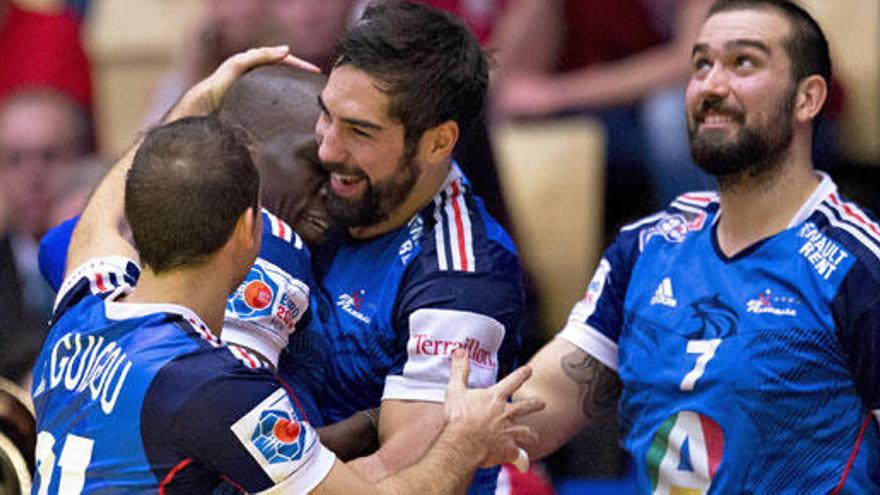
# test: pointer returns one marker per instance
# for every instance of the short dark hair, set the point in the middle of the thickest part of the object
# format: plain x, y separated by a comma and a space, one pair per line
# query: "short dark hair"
807, 47
188, 185
425, 59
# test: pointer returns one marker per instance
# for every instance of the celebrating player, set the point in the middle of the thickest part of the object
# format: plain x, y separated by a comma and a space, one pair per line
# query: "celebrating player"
134, 390
423, 269
736, 333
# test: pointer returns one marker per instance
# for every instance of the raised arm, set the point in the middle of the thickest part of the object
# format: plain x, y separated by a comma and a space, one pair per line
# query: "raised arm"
577, 389
101, 229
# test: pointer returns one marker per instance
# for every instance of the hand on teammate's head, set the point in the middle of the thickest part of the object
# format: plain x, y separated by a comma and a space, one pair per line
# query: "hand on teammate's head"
205, 97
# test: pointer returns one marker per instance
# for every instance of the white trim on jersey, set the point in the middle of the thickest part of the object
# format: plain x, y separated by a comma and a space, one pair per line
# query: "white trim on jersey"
644, 221
851, 213
700, 199
876, 413
438, 235
402, 388
591, 341
825, 188
97, 271
457, 229
688, 207
325, 459
849, 227
123, 311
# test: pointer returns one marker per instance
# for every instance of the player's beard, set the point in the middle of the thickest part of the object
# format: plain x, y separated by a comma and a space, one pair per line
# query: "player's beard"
756, 151
379, 199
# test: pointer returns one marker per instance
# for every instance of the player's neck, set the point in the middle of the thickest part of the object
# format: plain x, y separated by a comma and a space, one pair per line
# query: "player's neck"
197, 289
424, 190
757, 208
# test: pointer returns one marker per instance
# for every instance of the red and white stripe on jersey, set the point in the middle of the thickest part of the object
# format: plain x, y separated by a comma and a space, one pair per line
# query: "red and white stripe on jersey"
104, 275
245, 356
204, 333
453, 232
852, 220
281, 229
695, 202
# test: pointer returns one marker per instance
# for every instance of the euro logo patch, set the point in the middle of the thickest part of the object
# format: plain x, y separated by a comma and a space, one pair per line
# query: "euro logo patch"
276, 436
255, 295
279, 437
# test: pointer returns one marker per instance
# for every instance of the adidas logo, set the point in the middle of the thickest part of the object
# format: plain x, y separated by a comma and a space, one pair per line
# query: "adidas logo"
663, 294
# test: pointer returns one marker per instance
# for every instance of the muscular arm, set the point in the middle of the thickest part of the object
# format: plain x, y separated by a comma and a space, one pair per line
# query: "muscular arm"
406, 431
475, 421
352, 437
577, 389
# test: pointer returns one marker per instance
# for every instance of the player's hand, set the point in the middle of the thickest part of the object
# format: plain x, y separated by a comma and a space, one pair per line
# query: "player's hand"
486, 416
206, 96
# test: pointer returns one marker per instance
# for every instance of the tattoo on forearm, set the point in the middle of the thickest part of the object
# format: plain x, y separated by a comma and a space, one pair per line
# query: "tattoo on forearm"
598, 386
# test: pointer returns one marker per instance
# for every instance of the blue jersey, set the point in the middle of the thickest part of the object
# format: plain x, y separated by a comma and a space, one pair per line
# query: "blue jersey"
274, 297
137, 398
756, 373
394, 307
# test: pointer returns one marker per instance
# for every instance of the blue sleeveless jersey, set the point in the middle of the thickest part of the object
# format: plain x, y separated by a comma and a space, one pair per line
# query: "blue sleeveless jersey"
394, 307
752, 374
137, 398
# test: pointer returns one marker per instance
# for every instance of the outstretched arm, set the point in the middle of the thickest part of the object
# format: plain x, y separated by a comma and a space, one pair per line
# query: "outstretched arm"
577, 389
101, 229
478, 429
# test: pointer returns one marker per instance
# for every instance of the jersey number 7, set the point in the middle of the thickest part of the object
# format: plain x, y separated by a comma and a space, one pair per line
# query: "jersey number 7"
706, 350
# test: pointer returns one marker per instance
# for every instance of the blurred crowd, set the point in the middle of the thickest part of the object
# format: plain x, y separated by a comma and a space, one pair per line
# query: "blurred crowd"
623, 62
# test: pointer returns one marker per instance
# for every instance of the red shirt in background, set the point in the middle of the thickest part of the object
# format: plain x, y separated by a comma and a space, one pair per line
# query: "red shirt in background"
478, 15
43, 50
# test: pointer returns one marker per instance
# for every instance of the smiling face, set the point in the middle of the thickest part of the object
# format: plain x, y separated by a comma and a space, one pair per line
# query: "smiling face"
741, 96
371, 170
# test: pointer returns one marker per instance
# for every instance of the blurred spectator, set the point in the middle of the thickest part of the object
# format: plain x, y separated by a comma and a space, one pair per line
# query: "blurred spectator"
624, 61
73, 185
220, 29
43, 49
310, 27
41, 132
480, 16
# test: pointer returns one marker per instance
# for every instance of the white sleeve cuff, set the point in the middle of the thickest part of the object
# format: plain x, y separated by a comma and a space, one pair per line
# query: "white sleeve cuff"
402, 388
590, 341
319, 468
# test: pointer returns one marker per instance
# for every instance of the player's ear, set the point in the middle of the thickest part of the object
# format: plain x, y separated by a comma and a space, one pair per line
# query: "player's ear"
811, 95
437, 143
246, 233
